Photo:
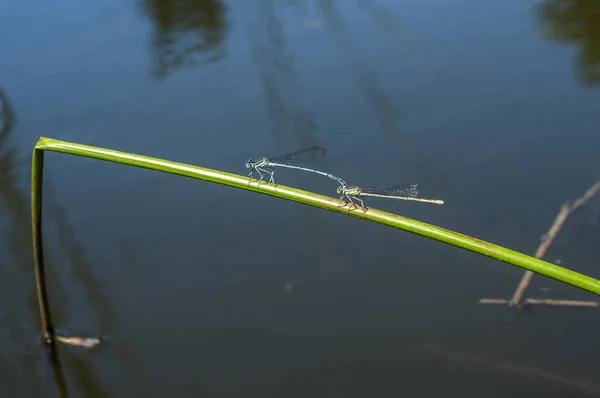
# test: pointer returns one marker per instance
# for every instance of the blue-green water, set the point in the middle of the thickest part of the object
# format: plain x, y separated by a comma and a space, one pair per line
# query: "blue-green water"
204, 290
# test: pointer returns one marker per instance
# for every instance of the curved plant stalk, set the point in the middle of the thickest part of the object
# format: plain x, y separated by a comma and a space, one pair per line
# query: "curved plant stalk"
37, 178
312, 199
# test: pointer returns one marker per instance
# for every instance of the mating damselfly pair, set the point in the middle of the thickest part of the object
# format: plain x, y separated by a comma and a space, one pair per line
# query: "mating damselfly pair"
266, 166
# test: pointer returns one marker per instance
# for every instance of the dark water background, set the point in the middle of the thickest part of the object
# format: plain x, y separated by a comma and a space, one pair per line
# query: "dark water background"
204, 290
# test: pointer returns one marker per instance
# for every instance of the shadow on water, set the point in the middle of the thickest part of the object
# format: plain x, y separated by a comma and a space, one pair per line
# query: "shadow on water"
183, 28
576, 22
291, 121
21, 322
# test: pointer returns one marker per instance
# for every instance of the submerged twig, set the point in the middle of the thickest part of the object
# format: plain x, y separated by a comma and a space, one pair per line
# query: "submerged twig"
548, 238
549, 302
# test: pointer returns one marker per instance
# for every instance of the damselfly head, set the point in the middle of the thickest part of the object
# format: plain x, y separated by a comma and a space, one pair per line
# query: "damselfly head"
340, 189
249, 163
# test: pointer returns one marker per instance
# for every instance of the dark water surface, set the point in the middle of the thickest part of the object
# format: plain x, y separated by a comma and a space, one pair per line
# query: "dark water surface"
205, 290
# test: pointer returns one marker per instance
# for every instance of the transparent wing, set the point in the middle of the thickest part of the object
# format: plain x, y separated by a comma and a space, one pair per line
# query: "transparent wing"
403, 190
303, 155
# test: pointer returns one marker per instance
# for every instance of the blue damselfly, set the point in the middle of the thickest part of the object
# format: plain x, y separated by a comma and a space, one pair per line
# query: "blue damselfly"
267, 165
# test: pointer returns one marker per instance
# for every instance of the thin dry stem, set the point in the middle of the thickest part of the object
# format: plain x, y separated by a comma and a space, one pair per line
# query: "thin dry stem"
549, 302
548, 238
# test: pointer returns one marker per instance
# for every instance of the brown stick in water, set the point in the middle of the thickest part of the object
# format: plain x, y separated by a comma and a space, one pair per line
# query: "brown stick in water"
548, 238
549, 302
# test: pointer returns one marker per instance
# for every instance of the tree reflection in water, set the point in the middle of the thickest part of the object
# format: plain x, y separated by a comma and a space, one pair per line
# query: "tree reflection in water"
183, 28
6, 116
576, 22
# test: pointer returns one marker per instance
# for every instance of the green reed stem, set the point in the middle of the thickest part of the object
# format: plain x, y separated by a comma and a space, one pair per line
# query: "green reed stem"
309, 198
37, 179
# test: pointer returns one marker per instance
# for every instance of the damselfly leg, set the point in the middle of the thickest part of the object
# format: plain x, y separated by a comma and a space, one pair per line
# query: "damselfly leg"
362, 203
351, 193
261, 173
270, 172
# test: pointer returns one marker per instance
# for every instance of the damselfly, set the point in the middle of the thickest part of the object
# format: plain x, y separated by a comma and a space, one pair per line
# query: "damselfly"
399, 192
267, 165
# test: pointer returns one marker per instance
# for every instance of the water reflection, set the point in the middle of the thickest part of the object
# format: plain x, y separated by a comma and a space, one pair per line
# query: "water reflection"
577, 22
20, 320
59, 377
183, 28
277, 73
94, 290
374, 95
290, 119
7, 116
384, 20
